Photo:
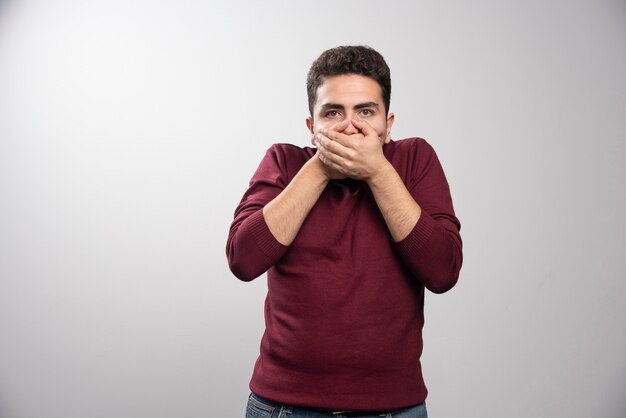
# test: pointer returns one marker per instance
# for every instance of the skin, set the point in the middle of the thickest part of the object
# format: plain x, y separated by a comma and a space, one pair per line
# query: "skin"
349, 127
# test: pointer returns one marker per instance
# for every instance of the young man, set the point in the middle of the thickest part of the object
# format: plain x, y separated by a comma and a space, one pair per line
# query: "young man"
350, 233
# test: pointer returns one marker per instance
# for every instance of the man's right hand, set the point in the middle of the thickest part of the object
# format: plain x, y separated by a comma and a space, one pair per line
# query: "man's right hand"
331, 174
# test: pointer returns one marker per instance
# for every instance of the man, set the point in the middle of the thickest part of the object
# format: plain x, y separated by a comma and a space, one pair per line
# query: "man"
350, 233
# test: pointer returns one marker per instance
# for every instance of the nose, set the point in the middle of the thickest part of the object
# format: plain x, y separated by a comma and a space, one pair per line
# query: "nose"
350, 128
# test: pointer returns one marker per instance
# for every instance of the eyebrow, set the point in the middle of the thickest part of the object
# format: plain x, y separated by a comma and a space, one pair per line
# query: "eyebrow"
335, 106
366, 104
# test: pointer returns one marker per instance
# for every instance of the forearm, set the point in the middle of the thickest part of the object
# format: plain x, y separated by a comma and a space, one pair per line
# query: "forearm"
285, 214
400, 211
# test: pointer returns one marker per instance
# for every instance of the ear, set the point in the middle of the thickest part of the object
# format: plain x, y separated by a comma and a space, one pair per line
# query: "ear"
309, 124
390, 118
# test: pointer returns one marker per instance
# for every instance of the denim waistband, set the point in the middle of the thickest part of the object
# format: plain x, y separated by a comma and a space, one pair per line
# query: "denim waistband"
290, 408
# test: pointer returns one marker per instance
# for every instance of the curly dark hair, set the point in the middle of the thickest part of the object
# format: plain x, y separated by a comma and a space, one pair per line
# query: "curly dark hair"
361, 60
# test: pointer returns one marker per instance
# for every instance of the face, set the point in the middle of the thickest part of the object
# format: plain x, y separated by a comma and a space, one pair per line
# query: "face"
348, 97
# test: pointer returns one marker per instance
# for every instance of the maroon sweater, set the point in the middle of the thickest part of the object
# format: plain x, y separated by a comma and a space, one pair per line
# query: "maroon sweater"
344, 308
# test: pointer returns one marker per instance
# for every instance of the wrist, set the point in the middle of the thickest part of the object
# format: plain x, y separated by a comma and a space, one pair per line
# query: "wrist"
378, 177
315, 169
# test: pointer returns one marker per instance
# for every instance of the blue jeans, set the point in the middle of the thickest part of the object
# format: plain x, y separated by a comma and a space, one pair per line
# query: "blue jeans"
262, 408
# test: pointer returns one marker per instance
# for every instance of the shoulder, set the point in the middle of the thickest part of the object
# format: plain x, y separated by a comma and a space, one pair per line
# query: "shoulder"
286, 158
288, 154
414, 144
412, 151
413, 159
290, 150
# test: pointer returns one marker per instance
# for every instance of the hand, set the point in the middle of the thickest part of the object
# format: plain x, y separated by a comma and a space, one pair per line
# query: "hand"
358, 156
329, 172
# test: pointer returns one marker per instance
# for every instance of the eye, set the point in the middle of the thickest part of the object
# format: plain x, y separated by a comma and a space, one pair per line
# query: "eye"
331, 114
367, 112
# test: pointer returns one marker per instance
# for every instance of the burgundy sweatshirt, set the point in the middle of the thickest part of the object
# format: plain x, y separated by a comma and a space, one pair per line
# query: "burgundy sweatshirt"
344, 308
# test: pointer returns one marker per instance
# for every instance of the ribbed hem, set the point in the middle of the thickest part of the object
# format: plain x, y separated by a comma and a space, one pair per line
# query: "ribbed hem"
414, 243
263, 236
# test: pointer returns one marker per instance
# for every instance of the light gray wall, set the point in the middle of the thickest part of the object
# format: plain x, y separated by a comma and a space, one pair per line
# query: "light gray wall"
129, 130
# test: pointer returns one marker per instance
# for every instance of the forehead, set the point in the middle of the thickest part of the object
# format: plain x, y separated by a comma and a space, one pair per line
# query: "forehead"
349, 89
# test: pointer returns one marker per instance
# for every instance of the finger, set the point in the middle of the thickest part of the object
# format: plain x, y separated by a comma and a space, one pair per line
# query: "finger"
329, 158
333, 149
365, 127
334, 128
337, 127
343, 139
317, 137
334, 146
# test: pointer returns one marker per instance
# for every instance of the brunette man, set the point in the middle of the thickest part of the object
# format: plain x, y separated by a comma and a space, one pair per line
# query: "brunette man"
350, 233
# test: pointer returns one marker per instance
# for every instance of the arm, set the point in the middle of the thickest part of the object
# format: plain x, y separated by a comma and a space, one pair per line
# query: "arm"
400, 210
285, 214
272, 210
251, 248
427, 235
433, 248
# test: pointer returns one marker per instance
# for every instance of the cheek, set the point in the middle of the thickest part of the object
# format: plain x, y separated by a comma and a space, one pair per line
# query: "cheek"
320, 124
381, 129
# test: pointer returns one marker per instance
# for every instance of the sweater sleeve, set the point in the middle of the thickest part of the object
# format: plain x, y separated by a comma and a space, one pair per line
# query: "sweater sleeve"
433, 249
251, 249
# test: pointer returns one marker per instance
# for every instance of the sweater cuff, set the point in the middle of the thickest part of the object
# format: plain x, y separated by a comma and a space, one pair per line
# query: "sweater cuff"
263, 237
414, 243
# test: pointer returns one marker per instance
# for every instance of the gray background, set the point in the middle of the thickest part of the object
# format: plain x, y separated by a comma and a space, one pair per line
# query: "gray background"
128, 133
